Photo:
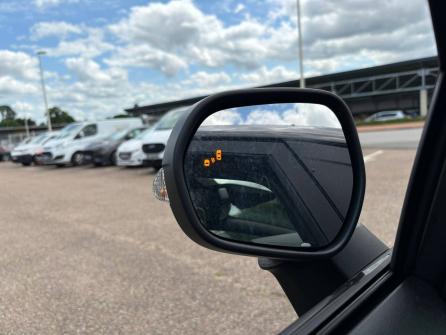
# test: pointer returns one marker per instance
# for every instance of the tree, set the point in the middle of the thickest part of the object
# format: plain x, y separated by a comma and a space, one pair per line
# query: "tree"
59, 116
7, 113
16, 122
9, 119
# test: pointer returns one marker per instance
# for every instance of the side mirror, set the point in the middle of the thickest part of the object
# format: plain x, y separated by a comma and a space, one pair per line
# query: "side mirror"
275, 172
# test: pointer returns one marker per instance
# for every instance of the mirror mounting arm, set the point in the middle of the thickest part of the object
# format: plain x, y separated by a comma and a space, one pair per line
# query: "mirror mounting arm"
306, 283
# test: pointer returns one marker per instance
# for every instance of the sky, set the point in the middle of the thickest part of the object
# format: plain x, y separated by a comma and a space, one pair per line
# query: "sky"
296, 114
107, 55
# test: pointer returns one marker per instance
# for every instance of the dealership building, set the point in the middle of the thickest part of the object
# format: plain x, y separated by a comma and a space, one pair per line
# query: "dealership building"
407, 86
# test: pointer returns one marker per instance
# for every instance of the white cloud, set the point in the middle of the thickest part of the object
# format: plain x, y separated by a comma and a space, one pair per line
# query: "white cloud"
301, 115
197, 53
12, 86
88, 70
266, 75
55, 28
24, 109
349, 27
188, 36
313, 115
263, 116
18, 65
148, 57
239, 8
225, 117
205, 79
41, 4
92, 45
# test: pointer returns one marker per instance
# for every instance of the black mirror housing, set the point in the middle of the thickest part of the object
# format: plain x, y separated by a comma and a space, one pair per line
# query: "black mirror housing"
177, 186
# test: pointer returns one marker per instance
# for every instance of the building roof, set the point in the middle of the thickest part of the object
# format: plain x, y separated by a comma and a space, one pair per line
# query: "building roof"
410, 65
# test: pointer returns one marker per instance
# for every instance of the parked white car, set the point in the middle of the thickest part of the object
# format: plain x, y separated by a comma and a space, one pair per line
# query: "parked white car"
154, 143
68, 148
25, 153
387, 116
130, 152
148, 148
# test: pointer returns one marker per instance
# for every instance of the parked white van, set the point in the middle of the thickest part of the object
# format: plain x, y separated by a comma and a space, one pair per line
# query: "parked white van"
72, 141
25, 153
154, 142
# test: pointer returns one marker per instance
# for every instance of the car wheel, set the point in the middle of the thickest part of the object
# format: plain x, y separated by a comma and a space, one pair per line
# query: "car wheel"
77, 158
113, 158
26, 163
157, 165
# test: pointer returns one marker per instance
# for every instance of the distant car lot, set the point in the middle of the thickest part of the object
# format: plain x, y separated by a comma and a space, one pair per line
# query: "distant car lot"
387, 116
90, 250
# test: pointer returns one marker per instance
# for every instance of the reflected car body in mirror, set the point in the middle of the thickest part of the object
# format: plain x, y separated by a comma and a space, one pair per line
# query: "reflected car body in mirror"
256, 173
279, 185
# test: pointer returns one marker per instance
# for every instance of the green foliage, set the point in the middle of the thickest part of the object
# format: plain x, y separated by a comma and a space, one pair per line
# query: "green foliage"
7, 113
8, 118
16, 123
59, 116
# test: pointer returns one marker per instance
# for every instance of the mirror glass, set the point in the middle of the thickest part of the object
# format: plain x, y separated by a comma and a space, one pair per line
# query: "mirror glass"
277, 175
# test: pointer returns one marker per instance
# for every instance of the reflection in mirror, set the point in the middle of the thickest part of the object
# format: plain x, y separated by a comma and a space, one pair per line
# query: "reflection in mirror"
276, 174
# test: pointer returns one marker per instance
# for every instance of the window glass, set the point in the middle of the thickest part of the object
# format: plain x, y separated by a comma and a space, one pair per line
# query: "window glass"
38, 139
119, 135
89, 130
169, 120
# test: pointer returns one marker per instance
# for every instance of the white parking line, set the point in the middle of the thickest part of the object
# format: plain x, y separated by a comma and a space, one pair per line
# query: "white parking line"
371, 157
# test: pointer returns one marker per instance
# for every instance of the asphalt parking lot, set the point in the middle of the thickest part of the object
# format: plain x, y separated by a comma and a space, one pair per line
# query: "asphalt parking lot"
89, 250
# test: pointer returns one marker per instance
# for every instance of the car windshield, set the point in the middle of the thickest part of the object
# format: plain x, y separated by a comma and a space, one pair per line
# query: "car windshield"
169, 120
119, 135
143, 133
69, 130
38, 139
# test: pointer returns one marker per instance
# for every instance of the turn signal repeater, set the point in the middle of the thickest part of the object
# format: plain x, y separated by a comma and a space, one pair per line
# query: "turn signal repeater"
159, 187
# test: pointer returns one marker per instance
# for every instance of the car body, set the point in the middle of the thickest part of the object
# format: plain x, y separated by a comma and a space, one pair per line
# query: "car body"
68, 147
154, 142
4, 154
387, 116
129, 153
103, 152
26, 153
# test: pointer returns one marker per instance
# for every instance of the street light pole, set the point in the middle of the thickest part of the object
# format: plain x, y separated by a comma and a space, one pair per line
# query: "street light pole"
42, 80
26, 126
301, 52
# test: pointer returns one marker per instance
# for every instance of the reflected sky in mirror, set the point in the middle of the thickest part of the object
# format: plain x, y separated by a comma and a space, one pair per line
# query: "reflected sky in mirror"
298, 114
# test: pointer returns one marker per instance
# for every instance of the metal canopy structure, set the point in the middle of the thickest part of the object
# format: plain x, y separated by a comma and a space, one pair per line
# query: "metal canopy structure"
404, 86
384, 84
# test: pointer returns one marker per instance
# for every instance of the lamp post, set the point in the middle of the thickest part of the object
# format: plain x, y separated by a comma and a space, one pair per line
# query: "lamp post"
42, 80
301, 52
